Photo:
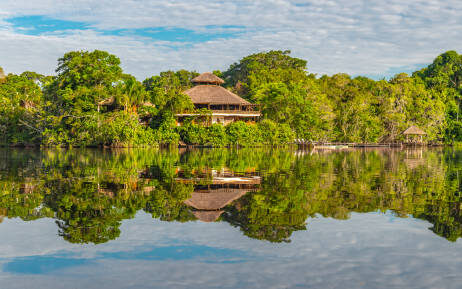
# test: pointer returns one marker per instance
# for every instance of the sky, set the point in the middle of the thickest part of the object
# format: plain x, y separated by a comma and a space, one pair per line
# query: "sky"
360, 37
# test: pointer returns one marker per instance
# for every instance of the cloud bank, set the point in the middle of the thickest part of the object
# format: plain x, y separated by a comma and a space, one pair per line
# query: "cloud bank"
359, 37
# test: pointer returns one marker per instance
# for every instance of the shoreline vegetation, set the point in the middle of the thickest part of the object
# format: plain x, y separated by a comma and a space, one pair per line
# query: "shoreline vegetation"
291, 188
90, 102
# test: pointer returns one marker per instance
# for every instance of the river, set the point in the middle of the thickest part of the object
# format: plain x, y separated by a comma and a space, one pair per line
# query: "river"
228, 218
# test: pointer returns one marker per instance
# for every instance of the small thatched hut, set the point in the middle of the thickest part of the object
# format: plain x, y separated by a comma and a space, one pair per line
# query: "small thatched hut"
225, 106
412, 132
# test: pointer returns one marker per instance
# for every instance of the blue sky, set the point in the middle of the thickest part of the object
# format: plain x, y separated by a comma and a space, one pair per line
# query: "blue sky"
358, 37
42, 25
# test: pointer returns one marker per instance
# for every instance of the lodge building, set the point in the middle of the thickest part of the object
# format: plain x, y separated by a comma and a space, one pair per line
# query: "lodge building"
225, 106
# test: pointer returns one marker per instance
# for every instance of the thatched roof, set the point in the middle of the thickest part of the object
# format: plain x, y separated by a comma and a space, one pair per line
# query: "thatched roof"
215, 199
148, 104
108, 101
212, 94
207, 216
208, 77
413, 130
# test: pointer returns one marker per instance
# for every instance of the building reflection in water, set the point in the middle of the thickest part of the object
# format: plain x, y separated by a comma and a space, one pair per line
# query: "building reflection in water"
216, 189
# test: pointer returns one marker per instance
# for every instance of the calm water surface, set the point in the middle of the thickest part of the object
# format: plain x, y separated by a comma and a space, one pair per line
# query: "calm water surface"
230, 219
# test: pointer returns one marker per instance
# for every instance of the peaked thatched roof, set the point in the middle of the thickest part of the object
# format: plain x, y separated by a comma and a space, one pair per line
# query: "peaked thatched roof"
214, 200
212, 94
208, 77
207, 216
413, 130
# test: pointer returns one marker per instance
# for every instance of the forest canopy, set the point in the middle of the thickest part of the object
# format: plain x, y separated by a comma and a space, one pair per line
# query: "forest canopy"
92, 102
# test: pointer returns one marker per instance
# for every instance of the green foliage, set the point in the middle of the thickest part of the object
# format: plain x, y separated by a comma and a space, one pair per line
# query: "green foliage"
444, 75
258, 69
242, 134
90, 192
273, 133
166, 131
285, 92
88, 69
20, 110
166, 90
122, 129
130, 93
444, 72
91, 102
238, 133
193, 134
216, 136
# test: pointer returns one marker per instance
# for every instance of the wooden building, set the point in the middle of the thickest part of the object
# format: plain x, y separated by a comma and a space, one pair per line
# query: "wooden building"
225, 106
414, 135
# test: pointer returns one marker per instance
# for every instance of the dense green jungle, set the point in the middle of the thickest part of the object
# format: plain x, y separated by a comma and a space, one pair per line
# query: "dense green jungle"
89, 193
90, 101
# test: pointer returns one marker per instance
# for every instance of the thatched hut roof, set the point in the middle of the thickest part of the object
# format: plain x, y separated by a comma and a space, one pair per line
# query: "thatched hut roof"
215, 199
148, 104
212, 94
413, 130
108, 101
207, 216
209, 78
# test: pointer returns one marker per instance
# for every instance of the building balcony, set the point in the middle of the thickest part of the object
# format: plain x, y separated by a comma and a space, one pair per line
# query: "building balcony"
225, 112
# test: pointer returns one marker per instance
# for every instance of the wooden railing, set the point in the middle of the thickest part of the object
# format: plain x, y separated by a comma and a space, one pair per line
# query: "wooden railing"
235, 111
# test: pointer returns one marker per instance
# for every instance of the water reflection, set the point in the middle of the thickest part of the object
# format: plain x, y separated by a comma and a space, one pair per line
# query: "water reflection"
267, 194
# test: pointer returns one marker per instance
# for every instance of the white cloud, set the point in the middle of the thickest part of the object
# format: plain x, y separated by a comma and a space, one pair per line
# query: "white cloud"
356, 37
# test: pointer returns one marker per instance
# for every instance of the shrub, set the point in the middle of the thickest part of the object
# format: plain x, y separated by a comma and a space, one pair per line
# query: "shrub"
193, 134
120, 129
242, 134
167, 132
216, 136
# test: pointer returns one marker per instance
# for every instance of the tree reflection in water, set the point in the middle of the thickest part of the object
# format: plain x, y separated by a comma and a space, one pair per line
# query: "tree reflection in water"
268, 194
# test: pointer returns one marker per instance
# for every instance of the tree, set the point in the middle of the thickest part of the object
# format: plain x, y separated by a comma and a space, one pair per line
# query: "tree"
255, 70
285, 92
166, 90
88, 92
20, 110
445, 76
355, 105
130, 93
